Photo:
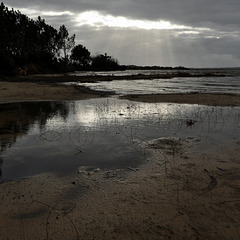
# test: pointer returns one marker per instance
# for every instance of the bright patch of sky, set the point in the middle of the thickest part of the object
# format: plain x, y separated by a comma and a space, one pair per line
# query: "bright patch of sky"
35, 13
96, 19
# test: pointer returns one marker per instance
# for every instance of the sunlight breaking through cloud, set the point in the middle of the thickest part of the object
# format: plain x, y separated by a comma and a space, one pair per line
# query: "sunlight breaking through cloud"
35, 13
95, 19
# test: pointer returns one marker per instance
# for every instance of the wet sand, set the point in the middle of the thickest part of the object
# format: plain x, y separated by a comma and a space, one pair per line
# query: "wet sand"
30, 91
46, 87
182, 191
189, 98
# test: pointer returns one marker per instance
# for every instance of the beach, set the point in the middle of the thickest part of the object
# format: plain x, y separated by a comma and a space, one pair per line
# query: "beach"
48, 87
182, 191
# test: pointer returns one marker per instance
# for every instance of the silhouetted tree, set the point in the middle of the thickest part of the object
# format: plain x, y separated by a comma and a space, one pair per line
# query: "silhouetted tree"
104, 62
47, 38
8, 31
81, 56
7, 66
65, 43
33, 43
24, 41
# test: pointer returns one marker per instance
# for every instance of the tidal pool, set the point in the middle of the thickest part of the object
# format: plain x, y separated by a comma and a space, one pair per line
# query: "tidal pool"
61, 137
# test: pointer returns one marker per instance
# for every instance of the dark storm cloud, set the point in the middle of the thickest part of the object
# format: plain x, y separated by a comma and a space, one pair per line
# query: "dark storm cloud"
212, 39
187, 12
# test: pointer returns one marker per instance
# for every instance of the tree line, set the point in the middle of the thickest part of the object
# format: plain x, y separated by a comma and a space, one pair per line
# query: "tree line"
41, 48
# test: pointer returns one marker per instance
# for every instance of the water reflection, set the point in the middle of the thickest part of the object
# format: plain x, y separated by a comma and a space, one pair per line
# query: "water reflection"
17, 118
107, 133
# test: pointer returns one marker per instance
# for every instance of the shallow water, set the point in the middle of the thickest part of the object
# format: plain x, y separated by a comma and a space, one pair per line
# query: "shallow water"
165, 86
107, 133
230, 83
199, 71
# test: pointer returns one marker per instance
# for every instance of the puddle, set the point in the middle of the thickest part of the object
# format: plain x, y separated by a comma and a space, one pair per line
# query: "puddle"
63, 137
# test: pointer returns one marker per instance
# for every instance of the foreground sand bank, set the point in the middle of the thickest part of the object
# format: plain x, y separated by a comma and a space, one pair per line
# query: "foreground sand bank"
190, 194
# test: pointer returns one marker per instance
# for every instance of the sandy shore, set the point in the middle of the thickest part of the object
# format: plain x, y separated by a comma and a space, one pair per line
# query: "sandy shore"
30, 91
189, 98
47, 88
182, 191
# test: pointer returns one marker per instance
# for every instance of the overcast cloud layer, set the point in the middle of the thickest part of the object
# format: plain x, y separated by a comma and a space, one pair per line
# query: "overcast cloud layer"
191, 33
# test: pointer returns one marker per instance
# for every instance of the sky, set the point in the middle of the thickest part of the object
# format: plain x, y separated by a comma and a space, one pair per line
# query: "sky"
189, 33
